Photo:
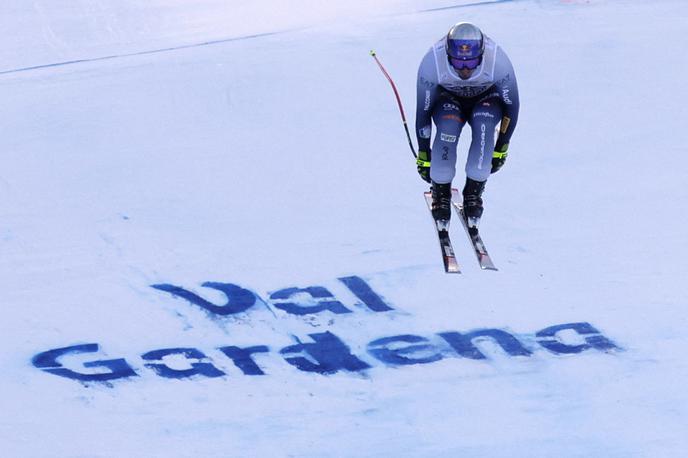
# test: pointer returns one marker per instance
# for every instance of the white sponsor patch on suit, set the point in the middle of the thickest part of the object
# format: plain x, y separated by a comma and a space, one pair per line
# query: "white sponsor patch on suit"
448, 138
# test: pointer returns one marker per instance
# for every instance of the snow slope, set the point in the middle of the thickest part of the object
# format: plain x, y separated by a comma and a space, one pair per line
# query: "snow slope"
260, 146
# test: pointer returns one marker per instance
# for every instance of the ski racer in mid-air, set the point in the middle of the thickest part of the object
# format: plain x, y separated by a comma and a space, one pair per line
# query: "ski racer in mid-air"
464, 77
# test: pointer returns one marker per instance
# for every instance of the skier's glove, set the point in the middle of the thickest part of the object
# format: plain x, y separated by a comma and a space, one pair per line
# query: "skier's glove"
423, 163
499, 157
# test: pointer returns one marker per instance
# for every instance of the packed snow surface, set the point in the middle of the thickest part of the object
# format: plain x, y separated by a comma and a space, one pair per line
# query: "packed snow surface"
213, 240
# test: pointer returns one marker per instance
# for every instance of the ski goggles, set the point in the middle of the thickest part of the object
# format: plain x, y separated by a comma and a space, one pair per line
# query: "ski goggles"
460, 64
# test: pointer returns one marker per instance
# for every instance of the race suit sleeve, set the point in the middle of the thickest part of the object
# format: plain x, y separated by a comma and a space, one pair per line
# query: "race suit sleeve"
508, 90
426, 95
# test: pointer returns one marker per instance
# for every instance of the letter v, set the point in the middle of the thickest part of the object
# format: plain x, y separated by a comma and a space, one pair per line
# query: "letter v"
238, 298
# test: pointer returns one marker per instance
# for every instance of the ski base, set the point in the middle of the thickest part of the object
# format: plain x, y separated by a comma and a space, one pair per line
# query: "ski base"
448, 257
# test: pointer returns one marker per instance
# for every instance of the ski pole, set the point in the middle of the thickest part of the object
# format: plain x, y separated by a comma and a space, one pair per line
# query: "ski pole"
396, 94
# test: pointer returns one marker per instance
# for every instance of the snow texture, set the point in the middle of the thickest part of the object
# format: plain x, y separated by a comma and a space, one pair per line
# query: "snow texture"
156, 154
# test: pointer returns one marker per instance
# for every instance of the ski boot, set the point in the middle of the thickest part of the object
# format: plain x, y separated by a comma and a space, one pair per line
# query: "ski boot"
473, 204
441, 203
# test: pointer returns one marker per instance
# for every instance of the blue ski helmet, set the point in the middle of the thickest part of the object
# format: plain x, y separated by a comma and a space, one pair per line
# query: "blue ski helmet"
465, 46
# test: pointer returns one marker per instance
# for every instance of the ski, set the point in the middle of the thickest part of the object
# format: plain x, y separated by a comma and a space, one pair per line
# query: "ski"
448, 257
473, 235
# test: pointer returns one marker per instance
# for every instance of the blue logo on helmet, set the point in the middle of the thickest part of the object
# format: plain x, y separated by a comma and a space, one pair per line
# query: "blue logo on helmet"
464, 49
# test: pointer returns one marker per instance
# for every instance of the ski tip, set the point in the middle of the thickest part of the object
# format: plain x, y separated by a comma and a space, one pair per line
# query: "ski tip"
486, 263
